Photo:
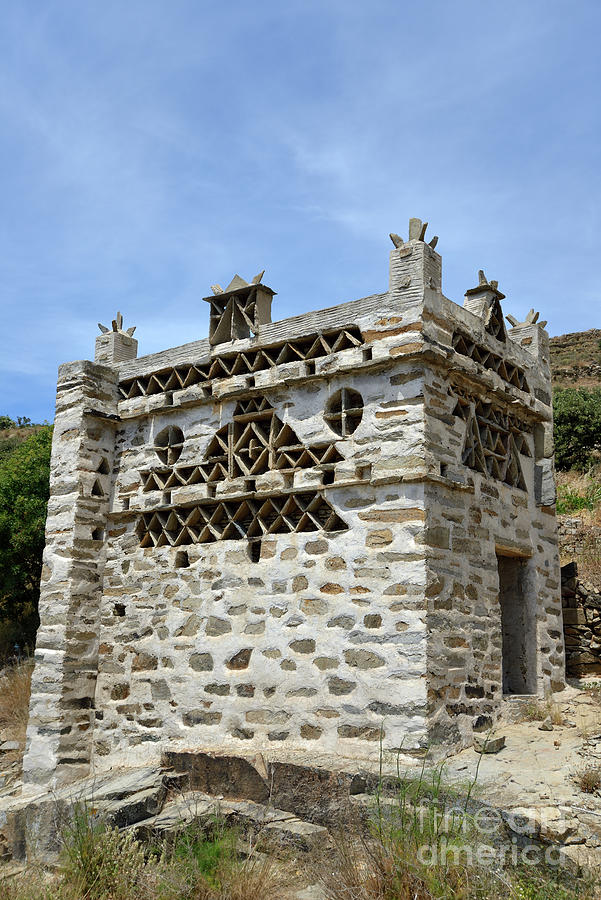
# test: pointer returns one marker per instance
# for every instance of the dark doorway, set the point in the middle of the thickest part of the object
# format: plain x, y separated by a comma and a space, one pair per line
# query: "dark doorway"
518, 624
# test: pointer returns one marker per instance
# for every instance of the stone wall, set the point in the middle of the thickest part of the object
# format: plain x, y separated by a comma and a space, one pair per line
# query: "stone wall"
582, 623
472, 521
578, 537
317, 641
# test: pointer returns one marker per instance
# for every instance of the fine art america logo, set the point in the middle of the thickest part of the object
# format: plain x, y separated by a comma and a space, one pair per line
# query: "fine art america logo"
488, 837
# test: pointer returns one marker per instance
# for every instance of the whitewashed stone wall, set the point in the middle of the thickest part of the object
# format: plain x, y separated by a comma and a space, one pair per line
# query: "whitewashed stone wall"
329, 640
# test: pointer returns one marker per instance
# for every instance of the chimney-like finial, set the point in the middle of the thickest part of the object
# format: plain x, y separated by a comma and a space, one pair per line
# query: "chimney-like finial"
115, 344
239, 311
484, 300
485, 286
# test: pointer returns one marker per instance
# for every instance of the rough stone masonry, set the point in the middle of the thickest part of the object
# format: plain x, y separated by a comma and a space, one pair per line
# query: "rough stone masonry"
307, 535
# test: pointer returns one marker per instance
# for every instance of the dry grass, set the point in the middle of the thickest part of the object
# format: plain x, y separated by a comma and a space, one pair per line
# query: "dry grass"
15, 688
538, 711
255, 877
579, 496
382, 870
589, 780
362, 870
101, 863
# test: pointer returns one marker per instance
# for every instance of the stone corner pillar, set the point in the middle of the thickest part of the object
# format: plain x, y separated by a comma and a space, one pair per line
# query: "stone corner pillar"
61, 711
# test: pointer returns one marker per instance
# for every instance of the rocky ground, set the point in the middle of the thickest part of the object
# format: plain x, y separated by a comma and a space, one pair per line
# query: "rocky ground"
533, 786
536, 775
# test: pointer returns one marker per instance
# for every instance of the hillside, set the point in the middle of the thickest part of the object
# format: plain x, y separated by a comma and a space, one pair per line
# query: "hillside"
11, 437
576, 359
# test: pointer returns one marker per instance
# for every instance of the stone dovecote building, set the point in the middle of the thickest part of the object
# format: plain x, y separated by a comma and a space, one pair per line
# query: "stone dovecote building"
300, 535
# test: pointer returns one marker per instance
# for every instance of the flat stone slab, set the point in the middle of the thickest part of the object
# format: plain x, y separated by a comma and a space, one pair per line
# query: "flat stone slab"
124, 796
113, 785
275, 825
124, 811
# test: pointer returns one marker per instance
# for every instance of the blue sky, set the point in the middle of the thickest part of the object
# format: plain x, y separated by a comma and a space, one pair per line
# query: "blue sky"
149, 149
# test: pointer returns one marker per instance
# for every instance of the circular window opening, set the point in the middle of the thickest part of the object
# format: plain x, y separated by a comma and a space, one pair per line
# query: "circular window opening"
169, 444
344, 411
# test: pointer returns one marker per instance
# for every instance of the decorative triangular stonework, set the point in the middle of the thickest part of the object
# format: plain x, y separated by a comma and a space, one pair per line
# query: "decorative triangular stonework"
255, 442
513, 473
472, 454
494, 441
494, 322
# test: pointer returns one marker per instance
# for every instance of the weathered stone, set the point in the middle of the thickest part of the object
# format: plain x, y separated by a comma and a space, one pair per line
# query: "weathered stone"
300, 582
201, 662
316, 547
326, 662
245, 690
331, 588
159, 690
201, 717
345, 622
312, 606
310, 732
120, 692
364, 732
214, 688
189, 628
363, 659
240, 660
217, 626
306, 645
379, 538
340, 686
143, 661
267, 716
486, 744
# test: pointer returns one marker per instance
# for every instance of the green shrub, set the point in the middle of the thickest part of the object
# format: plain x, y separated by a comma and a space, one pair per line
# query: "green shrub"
577, 428
203, 853
570, 500
24, 489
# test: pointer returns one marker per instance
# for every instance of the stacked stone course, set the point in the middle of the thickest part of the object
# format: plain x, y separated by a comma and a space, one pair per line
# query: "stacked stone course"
582, 623
288, 535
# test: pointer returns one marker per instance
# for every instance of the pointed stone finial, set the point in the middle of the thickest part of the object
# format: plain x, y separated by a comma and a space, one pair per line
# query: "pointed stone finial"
117, 327
531, 319
236, 283
417, 232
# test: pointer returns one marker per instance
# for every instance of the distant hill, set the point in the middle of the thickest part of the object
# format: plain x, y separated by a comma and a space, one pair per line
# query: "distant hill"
13, 436
576, 359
